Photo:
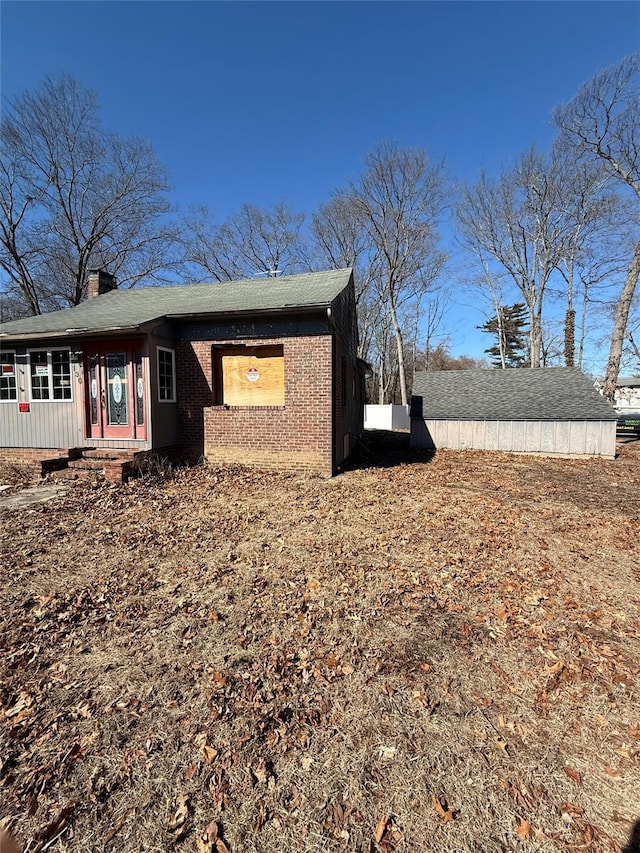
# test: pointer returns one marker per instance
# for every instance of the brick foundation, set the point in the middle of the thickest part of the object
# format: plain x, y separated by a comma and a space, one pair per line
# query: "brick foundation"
31, 457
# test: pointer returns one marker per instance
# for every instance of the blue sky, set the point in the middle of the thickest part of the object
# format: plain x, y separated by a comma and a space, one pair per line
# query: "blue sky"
258, 102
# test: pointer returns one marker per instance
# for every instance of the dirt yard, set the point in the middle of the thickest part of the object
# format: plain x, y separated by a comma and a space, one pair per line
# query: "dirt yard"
418, 655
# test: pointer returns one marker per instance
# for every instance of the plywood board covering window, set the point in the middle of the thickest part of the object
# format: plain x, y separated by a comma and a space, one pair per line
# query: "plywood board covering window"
252, 376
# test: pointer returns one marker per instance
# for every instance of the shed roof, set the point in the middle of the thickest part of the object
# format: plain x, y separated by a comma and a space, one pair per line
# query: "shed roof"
545, 393
130, 309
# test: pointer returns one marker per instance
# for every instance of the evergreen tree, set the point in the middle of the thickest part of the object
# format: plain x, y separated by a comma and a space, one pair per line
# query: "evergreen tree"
509, 326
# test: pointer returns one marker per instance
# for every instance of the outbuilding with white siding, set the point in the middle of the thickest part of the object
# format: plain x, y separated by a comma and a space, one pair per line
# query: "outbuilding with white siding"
547, 410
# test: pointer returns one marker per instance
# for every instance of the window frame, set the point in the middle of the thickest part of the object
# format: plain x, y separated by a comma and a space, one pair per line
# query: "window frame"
172, 353
13, 399
51, 386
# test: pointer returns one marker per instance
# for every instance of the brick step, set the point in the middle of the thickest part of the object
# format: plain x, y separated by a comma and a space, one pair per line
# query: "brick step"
74, 474
106, 453
114, 465
86, 464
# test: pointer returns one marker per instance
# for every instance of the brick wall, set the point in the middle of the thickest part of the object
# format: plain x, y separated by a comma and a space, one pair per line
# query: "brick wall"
27, 455
30, 456
296, 436
348, 380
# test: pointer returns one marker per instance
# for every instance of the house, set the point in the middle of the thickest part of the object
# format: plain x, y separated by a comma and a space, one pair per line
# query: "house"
552, 410
627, 394
259, 372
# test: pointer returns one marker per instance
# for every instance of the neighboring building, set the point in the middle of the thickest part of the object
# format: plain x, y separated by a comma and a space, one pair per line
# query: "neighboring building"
260, 372
627, 394
548, 410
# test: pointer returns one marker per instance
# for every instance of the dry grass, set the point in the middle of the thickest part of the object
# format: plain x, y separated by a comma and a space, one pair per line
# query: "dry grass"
434, 656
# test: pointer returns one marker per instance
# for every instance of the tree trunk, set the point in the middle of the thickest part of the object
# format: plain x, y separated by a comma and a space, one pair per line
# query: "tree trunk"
502, 343
400, 347
570, 337
535, 340
381, 382
620, 327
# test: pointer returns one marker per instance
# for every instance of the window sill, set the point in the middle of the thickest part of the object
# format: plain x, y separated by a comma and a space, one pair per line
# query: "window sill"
224, 407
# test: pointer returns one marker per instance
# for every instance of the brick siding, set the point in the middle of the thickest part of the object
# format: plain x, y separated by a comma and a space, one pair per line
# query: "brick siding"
296, 436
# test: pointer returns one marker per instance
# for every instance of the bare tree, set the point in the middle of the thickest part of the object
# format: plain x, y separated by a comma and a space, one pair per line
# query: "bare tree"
73, 197
603, 122
517, 223
252, 241
340, 240
398, 200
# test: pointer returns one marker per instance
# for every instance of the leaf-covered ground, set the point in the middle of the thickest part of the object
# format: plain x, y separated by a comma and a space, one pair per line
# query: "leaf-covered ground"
437, 655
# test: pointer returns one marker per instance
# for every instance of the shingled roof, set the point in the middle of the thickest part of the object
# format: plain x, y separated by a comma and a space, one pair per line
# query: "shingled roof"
545, 393
131, 309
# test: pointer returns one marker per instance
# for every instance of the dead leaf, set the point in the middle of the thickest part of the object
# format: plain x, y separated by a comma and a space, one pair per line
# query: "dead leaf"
441, 807
574, 775
524, 828
209, 753
191, 771
178, 825
55, 827
501, 744
205, 842
380, 828
501, 613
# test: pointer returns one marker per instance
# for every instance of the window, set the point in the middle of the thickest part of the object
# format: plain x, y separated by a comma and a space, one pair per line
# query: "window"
166, 375
8, 385
61, 371
249, 376
50, 374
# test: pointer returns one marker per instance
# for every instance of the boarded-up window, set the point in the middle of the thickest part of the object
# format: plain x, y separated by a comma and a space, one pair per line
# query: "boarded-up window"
249, 376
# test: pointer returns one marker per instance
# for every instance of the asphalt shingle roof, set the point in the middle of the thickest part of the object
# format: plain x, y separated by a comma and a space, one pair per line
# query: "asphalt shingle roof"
127, 309
545, 393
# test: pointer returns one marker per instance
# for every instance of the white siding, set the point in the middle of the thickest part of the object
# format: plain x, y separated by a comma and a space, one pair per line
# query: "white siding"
567, 438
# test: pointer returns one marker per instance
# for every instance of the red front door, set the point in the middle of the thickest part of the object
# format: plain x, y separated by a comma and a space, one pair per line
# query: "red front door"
115, 391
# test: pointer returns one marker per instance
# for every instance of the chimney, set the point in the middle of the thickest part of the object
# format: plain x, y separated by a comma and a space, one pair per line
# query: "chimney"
100, 282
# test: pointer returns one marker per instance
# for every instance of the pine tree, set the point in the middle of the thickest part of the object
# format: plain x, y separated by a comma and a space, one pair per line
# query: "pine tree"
509, 326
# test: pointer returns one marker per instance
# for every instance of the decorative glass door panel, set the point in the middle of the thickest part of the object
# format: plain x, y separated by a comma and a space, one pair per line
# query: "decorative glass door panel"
115, 392
93, 376
117, 389
139, 390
